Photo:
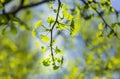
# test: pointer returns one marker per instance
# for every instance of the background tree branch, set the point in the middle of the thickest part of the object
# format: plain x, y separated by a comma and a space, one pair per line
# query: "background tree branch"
20, 7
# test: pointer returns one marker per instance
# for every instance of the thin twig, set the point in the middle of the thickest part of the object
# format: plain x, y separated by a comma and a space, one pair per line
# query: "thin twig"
51, 40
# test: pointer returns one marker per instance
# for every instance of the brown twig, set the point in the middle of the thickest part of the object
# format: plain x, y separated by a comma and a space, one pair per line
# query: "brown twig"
51, 32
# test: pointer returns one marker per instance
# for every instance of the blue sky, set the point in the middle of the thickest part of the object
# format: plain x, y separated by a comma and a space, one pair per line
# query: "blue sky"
116, 4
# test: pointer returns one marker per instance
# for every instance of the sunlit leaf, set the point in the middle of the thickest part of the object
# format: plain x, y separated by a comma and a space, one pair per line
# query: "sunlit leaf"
55, 67
61, 27
33, 33
100, 26
90, 0
46, 62
67, 15
74, 28
38, 23
64, 6
50, 20
57, 60
58, 51
99, 34
43, 49
44, 38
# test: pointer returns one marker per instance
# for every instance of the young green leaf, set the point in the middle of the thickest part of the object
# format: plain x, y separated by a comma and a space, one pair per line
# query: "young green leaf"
38, 23
67, 15
99, 34
90, 0
50, 20
33, 33
57, 60
14, 30
46, 62
61, 27
58, 51
64, 7
100, 26
55, 10
43, 49
55, 67
44, 38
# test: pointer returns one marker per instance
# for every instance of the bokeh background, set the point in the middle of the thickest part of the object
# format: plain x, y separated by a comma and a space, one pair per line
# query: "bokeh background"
85, 55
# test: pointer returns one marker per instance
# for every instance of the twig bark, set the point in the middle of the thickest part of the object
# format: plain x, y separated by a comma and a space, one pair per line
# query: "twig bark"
51, 32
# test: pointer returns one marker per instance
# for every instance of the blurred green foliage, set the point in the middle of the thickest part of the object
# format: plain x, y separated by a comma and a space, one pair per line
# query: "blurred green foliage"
95, 22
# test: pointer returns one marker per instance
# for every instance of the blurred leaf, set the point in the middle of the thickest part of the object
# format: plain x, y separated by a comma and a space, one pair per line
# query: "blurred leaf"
1, 6
57, 60
55, 67
57, 50
3, 19
13, 28
43, 49
61, 27
44, 38
33, 33
50, 20
67, 15
38, 23
46, 62
55, 10
90, 0
100, 26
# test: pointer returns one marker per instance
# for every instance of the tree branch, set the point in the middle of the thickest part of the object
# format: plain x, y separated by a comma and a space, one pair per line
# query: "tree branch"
6, 2
99, 14
29, 6
51, 40
21, 6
